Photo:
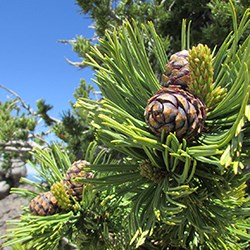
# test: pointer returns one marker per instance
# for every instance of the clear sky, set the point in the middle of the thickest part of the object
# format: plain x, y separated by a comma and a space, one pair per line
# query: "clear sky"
32, 62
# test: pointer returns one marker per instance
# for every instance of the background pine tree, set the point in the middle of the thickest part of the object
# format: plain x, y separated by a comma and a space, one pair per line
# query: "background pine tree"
211, 20
18, 135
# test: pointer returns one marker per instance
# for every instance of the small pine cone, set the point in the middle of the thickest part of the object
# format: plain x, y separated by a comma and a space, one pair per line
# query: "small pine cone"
44, 204
175, 110
73, 187
202, 74
150, 172
177, 70
201, 66
60, 192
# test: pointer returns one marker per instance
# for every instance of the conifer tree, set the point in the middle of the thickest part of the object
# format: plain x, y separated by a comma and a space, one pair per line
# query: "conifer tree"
18, 135
211, 19
184, 141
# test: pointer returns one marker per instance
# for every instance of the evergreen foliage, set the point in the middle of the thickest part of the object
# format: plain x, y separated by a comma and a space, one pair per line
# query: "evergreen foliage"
211, 19
42, 109
164, 192
16, 135
211, 22
93, 223
195, 172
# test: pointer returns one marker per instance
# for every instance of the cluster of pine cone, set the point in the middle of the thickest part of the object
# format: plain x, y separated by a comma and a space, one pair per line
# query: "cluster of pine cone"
176, 107
180, 107
62, 194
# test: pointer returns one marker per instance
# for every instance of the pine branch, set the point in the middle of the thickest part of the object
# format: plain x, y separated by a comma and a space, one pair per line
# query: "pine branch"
194, 176
26, 106
65, 244
113, 15
76, 64
19, 146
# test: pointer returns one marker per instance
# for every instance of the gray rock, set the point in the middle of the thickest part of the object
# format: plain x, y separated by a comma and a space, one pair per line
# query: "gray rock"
4, 189
11, 208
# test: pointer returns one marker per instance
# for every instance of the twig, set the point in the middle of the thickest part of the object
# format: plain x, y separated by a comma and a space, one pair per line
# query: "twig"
76, 64
73, 41
65, 243
27, 107
19, 150
39, 137
113, 14
19, 146
171, 5
19, 143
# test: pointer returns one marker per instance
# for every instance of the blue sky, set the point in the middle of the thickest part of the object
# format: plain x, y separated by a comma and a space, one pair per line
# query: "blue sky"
32, 62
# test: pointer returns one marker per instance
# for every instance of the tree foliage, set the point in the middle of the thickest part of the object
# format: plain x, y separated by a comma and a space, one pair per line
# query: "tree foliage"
16, 127
164, 192
18, 131
211, 19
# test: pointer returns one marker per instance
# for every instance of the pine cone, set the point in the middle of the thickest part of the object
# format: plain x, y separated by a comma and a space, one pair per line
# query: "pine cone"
175, 110
177, 70
60, 193
44, 204
150, 172
73, 187
202, 74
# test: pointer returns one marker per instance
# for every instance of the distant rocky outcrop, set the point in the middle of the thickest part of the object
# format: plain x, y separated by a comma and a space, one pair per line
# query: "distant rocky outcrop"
11, 208
10, 177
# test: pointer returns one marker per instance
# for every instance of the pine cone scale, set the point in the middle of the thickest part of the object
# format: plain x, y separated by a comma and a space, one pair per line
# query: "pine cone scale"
181, 119
169, 112
169, 98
